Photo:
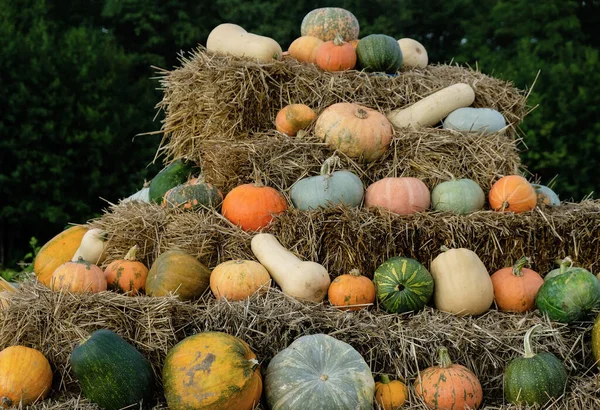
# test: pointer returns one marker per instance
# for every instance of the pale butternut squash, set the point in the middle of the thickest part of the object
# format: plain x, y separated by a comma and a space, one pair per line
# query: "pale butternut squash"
93, 247
300, 279
233, 39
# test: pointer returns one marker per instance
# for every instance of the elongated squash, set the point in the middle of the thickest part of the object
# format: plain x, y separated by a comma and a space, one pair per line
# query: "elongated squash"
233, 39
57, 251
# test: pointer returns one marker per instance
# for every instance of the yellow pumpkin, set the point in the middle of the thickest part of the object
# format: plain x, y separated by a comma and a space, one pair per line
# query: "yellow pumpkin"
236, 280
390, 394
25, 376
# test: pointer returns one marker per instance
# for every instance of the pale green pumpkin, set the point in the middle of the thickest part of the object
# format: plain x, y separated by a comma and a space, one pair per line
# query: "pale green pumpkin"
461, 196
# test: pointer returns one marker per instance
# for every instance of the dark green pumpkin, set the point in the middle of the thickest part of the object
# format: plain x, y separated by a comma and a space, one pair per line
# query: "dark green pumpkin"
175, 174
379, 53
193, 195
111, 372
403, 285
534, 378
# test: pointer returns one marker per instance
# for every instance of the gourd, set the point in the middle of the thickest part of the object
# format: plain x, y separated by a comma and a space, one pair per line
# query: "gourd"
293, 118
336, 55
327, 22
403, 195
238, 279
305, 48
25, 376
211, 371
534, 379
232, 39
390, 394
57, 251
432, 109
545, 195
301, 280
78, 276
351, 291
512, 193
178, 272
111, 372
176, 173
92, 247
193, 195
480, 120
414, 55
461, 196
319, 372
379, 53
462, 283
515, 288
127, 275
253, 206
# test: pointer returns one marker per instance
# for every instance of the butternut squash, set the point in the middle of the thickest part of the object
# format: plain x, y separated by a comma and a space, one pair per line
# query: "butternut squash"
299, 279
93, 247
233, 39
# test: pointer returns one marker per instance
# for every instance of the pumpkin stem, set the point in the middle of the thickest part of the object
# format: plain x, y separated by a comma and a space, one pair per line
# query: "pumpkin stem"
444, 358
324, 377
565, 264
354, 272
528, 350
258, 182
131, 254
329, 164
361, 113
338, 40
384, 379
6, 401
519, 265
444, 248
255, 364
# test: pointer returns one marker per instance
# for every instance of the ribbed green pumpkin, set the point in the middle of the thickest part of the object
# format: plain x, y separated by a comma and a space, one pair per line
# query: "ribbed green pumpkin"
403, 285
111, 372
193, 195
379, 53
175, 174
327, 22
534, 378
461, 196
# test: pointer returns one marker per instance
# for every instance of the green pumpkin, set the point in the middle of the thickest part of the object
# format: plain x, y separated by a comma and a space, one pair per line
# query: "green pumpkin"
403, 285
327, 22
328, 189
534, 379
319, 372
461, 196
175, 174
545, 195
565, 265
193, 195
379, 53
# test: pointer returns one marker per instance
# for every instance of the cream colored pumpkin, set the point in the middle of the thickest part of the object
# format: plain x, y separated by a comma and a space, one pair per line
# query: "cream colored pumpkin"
413, 53
233, 39
93, 247
462, 283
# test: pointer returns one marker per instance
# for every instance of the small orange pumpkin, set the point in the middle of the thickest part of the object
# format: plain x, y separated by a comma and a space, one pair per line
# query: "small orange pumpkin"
236, 280
515, 288
336, 55
448, 386
127, 274
305, 48
352, 290
512, 193
404, 195
78, 276
293, 118
25, 376
253, 206
390, 394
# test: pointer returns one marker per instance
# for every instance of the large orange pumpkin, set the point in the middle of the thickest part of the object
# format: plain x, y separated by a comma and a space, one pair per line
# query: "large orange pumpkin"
515, 288
512, 193
252, 206
293, 118
404, 195
127, 274
211, 370
351, 289
305, 48
357, 131
236, 280
336, 55
448, 386
178, 272
25, 376
390, 394
57, 251
78, 276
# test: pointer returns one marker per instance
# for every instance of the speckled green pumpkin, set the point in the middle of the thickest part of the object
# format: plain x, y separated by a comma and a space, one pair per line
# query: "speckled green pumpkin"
326, 22
175, 174
545, 195
403, 285
461, 196
193, 195
379, 53
319, 372
565, 266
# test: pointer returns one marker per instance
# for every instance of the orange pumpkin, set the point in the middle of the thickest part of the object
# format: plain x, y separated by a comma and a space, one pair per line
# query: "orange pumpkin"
25, 376
512, 193
390, 394
305, 48
236, 280
515, 288
402, 196
336, 55
448, 386
293, 118
127, 274
78, 277
57, 251
353, 290
357, 131
252, 206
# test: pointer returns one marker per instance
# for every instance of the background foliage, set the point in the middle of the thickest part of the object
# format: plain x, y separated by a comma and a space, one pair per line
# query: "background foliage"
77, 87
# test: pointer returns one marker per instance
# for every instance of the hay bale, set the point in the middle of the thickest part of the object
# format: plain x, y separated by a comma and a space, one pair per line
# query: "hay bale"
216, 95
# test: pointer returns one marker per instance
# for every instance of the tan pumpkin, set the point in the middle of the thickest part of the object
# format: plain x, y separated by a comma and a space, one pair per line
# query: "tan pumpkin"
238, 279
25, 376
305, 48
293, 118
336, 55
351, 291
78, 277
512, 193
390, 394
357, 131
127, 275
253, 206
515, 288
178, 272
404, 195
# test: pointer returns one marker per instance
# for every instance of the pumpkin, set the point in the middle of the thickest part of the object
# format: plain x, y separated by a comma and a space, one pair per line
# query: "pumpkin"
305, 48
193, 195
414, 55
328, 189
57, 251
404, 195
111, 372
351, 291
379, 53
358, 132
78, 277
390, 394
127, 274
25, 376
480, 120
232, 39
545, 195
462, 283
211, 370
236, 280
253, 206
512, 193
293, 118
596, 340
143, 195
92, 247
176, 271
534, 379
565, 265
461, 196
403, 285
177, 173
319, 372
335, 55
327, 22
448, 386
515, 288
302, 280
6, 286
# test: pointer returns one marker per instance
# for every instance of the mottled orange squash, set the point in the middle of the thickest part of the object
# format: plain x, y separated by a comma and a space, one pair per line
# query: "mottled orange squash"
127, 275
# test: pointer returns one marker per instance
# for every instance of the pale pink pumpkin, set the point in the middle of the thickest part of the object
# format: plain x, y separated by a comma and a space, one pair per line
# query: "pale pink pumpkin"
404, 195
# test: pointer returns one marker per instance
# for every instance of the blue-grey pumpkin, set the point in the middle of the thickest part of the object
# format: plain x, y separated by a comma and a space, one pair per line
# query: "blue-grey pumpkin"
545, 195
484, 120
